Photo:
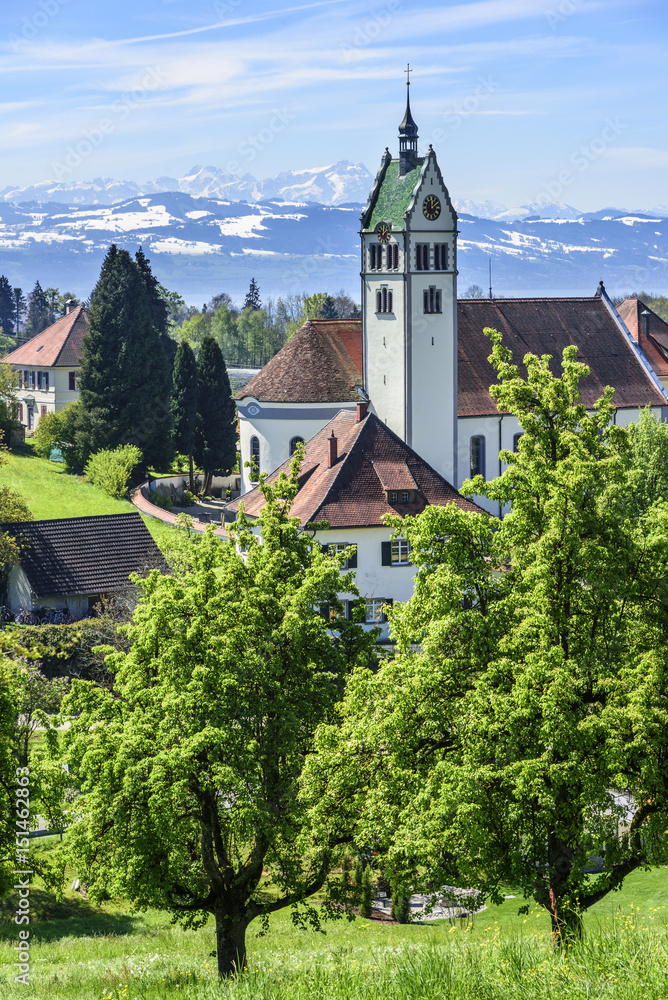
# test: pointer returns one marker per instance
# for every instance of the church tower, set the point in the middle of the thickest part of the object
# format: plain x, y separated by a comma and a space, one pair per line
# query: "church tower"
409, 301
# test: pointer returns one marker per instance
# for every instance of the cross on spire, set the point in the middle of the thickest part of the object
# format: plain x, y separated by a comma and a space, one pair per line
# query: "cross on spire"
407, 71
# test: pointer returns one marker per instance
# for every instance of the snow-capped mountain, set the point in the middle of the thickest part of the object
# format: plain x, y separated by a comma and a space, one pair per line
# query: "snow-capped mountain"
337, 184
200, 246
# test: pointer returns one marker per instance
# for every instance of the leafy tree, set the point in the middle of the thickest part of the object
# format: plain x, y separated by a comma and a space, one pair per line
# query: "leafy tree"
190, 766
39, 311
215, 430
225, 332
19, 307
38, 697
9, 407
184, 404
112, 470
195, 328
60, 430
534, 717
314, 306
252, 300
123, 394
8, 775
7, 307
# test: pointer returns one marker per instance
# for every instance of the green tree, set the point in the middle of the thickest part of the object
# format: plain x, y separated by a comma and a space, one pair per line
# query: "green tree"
7, 307
9, 779
215, 430
39, 311
184, 404
121, 400
315, 306
190, 765
194, 329
530, 730
226, 334
252, 300
19, 307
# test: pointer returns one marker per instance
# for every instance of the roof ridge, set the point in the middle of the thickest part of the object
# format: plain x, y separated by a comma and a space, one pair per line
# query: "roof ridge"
345, 457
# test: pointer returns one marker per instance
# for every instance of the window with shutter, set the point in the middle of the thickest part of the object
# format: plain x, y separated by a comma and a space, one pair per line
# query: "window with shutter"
386, 553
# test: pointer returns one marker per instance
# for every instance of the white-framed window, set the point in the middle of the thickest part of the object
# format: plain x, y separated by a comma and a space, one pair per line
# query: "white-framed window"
432, 299
255, 459
422, 257
374, 610
336, 548
400, 552
477, 455
384, 300
392, 256
440, 256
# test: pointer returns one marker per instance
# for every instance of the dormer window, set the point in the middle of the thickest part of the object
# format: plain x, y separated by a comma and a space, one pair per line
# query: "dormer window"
400, 496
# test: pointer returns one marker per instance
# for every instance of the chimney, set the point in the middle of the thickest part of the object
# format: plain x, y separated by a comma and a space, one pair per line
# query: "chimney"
644, 319
361, 411
69, 306
331, 451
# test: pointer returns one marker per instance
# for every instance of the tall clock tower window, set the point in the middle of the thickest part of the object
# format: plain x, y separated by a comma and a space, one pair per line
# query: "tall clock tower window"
422, 257
432, 299
375, 257
384, 300
393, 256
440, 256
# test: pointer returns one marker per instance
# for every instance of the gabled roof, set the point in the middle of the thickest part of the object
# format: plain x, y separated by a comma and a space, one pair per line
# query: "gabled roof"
352, 494
85, 555
59, 346
655, 345
547, 326
320, 364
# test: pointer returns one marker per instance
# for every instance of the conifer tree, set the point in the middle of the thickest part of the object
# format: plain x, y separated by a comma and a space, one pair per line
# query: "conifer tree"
6, 307
252, 300
215, 434
184, 403
121, 400
39, 313
19, 307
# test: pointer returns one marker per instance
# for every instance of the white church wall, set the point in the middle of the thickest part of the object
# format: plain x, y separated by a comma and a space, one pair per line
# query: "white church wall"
385, 352
274, 425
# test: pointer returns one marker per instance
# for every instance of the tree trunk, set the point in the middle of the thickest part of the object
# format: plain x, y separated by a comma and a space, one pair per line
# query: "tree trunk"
230, 942
192, 474
208, 476
566, 926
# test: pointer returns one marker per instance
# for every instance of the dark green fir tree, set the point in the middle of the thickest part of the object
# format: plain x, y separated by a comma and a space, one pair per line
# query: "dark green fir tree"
252, 300
123, 400
19, 307
7, 311
39, 311
215, 433
184, 403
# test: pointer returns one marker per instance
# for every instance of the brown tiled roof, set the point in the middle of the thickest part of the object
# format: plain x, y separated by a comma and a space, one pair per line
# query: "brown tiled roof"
58, 346
547, 326
394, 476
320, 364
654, 346
351, 494
85, 555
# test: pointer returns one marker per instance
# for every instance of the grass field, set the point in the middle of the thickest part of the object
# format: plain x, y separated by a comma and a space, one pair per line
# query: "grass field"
80, 953
51, 492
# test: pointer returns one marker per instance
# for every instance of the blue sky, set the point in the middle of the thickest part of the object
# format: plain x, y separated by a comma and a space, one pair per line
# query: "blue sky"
524, 100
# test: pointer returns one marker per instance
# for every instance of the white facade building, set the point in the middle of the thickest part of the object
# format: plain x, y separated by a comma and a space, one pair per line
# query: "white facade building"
47, 367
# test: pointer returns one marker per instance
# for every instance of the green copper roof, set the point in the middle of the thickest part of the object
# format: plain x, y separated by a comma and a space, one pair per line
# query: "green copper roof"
395, 195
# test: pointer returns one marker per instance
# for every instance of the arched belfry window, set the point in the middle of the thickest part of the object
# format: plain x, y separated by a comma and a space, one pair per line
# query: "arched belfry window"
255, 459
294, 442
384, 300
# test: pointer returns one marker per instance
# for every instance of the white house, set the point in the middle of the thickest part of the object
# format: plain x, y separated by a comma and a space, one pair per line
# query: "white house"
419, 355
355, 471
47, 367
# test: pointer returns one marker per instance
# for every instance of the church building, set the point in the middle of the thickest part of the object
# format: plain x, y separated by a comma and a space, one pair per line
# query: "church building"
418, 356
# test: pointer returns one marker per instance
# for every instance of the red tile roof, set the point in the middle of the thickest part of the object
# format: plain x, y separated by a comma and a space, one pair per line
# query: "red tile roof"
351, 494
59, 346
322, 363
654, 346
547, 326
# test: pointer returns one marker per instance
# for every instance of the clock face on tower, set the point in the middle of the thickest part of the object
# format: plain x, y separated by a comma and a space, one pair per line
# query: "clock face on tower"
383, 232
431, 207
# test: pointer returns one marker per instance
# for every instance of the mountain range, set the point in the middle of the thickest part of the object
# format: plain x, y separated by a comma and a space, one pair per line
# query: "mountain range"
207, 232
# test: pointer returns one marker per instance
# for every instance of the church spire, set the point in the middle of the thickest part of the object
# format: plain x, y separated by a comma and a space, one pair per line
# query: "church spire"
408, 133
